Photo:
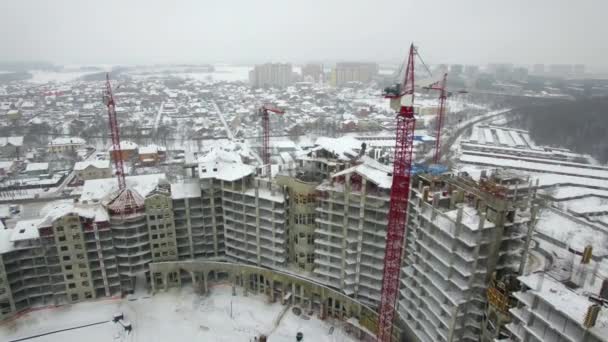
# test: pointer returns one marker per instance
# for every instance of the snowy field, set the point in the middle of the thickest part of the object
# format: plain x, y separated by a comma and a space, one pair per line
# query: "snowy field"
177, 315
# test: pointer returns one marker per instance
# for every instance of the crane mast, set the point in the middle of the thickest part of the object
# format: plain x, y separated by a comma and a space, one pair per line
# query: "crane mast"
266, 134
402, 98
108, 99
443, 95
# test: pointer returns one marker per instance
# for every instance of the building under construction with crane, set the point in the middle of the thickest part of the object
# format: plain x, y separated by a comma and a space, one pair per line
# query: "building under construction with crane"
399, 255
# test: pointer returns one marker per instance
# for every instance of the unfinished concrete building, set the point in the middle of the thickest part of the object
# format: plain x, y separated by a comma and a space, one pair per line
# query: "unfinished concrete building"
25, 276
161, 224
79, 252
302, 197
255, 221
552, 310
131, 238
459, 232
351, 234
196, 216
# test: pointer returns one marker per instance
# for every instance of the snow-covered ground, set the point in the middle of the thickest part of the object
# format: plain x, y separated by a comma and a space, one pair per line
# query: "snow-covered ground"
176, 315
40, 76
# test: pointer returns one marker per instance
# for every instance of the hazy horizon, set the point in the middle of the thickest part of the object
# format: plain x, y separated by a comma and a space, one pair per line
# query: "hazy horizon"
247, 32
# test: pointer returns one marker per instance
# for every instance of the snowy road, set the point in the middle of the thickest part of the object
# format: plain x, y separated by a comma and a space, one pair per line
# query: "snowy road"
159, 116
221, 115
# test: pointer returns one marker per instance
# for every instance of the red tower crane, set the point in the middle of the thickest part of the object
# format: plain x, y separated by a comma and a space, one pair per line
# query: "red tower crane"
116, 155
443, 95
266, 127
402, 99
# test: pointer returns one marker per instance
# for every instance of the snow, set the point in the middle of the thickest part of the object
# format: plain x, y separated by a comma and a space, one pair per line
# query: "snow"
175, 315
5, 245
33, 167
126, 145
100, 189
345, 147
567, 192
185, 190
98, 164
62, 208
15, 141
223, 170
571, 232
25, 230
570, 303
533, 166
372, 171
151, 149
40, 77
586, 205
546, 180
67, 141
276, 196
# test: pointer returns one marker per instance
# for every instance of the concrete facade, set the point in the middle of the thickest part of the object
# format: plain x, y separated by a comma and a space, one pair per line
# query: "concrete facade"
459, 233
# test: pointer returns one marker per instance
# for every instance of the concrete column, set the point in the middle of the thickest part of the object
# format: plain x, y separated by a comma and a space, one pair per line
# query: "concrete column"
153, 285
194, 281
262, 284
272, 296
293, 293
206, 288
165, 280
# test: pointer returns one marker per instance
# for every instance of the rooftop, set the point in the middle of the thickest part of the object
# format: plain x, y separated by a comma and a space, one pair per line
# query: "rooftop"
67, 141
99, 164
565, 300
25, 230
102, 189
185, 190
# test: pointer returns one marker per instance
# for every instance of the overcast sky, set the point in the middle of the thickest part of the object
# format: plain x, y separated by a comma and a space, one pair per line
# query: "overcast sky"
246, 31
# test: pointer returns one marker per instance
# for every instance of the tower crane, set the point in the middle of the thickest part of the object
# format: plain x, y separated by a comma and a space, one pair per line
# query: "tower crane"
402, 100
441, 86
108, 100
263, 111
443, 95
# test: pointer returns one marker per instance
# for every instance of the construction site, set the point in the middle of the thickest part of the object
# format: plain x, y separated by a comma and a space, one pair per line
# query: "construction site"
334, 246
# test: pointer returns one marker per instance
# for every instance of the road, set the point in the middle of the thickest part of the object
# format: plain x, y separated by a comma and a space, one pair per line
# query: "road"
159, 116
462, 127
221, 115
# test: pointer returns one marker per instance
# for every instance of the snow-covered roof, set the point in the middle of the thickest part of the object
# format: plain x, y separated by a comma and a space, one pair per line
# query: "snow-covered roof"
101, 189
225, 162
228, 171
185, 190
31, 167
98, 164
25, 230
67, 141
14, 141
372, 171
345, 148
150, 149
6, 164
93, 211
126, 145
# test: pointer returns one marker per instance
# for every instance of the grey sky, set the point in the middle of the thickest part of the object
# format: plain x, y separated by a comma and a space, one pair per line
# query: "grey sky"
244, 31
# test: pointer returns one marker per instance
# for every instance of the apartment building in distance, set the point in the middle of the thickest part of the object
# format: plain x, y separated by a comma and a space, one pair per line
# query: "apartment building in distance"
278, 75
345, 72
313, 72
